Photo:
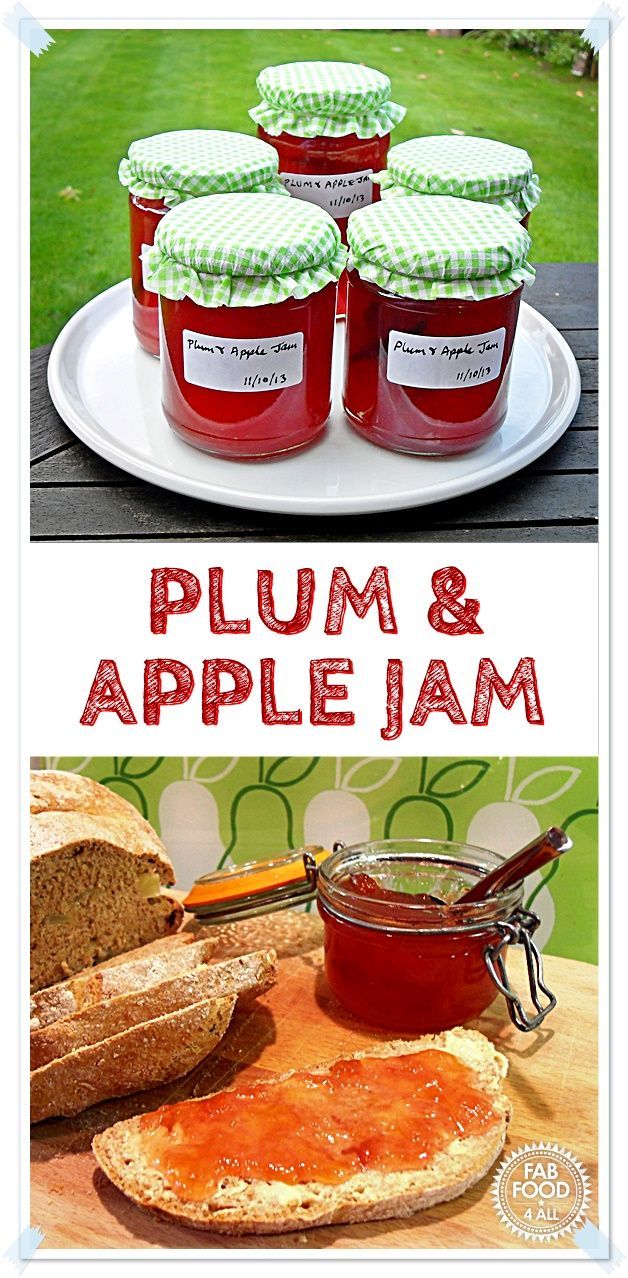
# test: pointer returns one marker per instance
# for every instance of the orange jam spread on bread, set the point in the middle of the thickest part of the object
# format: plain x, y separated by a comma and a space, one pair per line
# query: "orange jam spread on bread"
377, 1114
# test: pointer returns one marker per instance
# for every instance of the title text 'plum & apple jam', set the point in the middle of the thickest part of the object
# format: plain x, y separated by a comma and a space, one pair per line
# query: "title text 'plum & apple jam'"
330, 123
466, 167
247, 287
434, 286
166, 169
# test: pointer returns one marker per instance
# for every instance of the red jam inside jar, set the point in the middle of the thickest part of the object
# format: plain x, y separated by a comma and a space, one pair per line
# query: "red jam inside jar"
412, 967
328, 157
418, 419
250, 423
144, 216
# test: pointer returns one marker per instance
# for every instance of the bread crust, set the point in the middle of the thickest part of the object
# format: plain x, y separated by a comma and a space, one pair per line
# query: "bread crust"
68, 810
55, 791
261, 1207
156, 1051
250, 974
107, 980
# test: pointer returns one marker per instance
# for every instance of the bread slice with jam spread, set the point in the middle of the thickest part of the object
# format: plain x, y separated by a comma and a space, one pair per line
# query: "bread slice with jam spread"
140, 1155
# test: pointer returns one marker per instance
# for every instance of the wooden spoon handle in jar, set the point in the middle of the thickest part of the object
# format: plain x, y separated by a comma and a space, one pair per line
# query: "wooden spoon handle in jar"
546, 848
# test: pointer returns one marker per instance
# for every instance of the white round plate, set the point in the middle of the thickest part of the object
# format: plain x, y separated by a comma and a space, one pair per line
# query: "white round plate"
107, 390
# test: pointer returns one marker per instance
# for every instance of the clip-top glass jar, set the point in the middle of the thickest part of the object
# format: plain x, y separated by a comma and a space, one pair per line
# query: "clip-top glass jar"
400, 952
166, 169
331, 125
433, 300
399, 960
248, 290
467, 167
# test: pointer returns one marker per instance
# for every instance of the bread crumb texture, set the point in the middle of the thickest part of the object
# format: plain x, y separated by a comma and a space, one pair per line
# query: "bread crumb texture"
97, 869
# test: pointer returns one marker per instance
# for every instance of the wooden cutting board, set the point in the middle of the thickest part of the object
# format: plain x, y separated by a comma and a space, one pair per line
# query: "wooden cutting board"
552, 1082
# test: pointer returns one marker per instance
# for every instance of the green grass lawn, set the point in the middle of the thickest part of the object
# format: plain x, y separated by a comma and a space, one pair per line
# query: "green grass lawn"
93, 92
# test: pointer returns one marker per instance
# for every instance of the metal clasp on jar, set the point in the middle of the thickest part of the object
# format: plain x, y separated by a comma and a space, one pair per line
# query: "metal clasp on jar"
311, 868
518, 930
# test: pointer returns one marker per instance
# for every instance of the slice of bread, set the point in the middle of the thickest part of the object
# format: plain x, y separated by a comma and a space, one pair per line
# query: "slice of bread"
248, 975
241, 1206
106, 982
97, 870
156, 1051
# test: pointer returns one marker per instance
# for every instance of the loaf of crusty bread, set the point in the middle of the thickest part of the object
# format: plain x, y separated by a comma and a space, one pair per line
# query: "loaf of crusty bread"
153, 1052
248, 975
97, 869
241, 1206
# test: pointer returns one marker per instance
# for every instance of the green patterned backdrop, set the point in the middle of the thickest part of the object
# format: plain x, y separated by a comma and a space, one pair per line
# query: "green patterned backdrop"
212, 812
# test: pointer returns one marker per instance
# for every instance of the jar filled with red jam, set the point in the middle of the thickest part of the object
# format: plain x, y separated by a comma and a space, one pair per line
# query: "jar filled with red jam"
247, 287
330, 123
434, 287
402, 954
402, 951
166, 169
467, 167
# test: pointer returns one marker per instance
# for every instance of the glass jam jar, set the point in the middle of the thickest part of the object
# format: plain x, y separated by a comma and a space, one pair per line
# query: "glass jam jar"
467, 167
248, 291
166, 169
400, 953
330, 123
427, 966
434, 288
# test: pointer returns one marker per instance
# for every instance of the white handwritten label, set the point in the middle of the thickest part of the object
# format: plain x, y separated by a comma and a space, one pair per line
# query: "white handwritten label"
149, 287
439, 363
337, 193
242, 364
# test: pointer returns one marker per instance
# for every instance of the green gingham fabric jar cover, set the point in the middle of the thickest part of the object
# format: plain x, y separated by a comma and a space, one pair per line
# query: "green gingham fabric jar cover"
325, 99
439, 246
471, 168
244, 250
188, 163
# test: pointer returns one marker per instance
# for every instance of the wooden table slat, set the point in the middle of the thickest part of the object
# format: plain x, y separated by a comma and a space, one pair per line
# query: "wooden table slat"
583, 342
101, 512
